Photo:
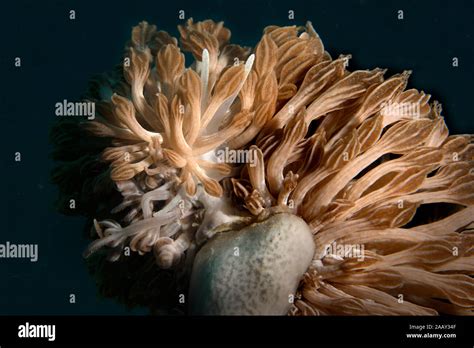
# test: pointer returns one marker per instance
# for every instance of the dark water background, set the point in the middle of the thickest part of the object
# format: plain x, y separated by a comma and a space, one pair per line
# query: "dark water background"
59, 56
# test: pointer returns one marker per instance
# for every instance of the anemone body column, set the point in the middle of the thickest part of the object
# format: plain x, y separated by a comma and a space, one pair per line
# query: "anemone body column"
252, 271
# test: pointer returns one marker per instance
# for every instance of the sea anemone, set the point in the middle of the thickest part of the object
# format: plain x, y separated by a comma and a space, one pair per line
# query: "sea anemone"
366, 164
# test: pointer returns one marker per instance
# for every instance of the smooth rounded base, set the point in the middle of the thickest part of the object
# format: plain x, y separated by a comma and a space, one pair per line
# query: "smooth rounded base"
253, 271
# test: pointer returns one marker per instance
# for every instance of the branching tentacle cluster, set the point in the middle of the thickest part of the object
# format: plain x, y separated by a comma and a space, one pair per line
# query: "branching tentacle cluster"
353, 153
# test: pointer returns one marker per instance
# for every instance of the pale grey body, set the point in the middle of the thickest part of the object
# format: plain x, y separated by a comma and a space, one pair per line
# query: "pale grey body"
253, 271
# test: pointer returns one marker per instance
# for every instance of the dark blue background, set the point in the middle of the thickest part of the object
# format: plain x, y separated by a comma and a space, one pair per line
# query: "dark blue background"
59, 56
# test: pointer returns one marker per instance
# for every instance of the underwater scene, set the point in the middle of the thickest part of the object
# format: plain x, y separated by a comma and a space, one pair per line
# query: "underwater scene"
238, 159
